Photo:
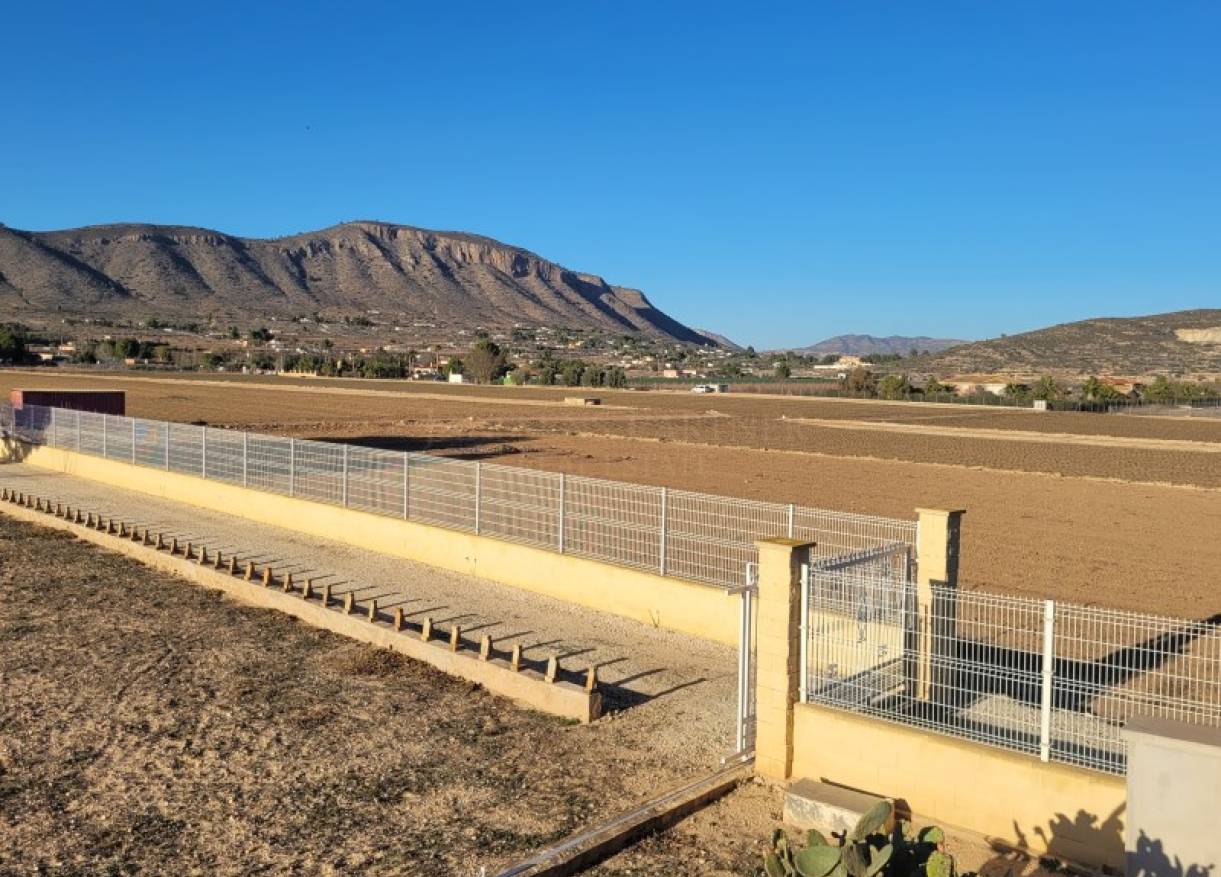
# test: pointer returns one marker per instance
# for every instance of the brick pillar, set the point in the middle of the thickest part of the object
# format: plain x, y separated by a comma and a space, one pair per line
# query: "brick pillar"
777, 652
937, 542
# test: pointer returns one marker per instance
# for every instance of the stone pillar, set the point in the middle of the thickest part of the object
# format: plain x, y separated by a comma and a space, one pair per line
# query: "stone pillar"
1174, 773
937, 539
777, 653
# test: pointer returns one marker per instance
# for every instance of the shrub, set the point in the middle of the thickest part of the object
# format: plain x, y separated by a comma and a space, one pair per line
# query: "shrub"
866, 851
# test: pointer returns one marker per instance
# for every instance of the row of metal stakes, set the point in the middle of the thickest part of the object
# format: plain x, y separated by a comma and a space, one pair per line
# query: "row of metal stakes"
248, 572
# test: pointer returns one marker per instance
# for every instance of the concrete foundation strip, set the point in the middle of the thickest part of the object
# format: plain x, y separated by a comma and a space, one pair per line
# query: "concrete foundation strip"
585, 849
528, 687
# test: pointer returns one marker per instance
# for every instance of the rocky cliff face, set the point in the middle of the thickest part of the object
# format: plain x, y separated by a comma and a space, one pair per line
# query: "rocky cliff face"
445, 278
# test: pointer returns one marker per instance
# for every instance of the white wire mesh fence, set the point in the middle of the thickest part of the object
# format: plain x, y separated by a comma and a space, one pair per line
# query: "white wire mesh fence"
1053, 680
694, 536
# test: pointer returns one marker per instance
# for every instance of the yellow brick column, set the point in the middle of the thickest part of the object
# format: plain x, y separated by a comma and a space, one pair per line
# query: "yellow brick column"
777, 652
937, 546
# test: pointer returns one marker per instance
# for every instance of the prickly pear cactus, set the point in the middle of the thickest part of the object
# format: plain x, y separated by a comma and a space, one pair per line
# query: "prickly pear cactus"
874, 848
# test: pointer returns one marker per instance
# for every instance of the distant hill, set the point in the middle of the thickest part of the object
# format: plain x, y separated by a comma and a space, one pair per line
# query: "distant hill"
862, 345
408, 274
1183, 342
719, 340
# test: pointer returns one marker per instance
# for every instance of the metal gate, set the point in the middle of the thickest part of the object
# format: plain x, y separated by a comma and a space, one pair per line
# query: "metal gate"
858, 617
744, 731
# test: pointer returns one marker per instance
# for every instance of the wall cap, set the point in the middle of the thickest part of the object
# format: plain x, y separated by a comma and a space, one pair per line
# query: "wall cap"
948, 513
1173, 734
784, 542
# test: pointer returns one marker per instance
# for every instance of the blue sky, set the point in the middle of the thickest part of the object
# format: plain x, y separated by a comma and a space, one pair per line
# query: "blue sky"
779, 173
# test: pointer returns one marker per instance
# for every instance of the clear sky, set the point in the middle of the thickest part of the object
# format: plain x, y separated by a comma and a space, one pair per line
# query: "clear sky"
779, 173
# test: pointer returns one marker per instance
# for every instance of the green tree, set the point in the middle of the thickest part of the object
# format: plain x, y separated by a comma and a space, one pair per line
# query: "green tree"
571, 372
894, 387
934, 387
486, 362
12, 342
861, 380
1017, 392
591, 377
261, 335
1161, 390
783, 370
615, 378
1047, 389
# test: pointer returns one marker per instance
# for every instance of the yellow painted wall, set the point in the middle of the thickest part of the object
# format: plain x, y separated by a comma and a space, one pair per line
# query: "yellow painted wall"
662, 601
1066, 811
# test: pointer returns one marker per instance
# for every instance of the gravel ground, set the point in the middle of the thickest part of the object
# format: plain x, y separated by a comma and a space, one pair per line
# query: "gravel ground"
154, 727
685, 685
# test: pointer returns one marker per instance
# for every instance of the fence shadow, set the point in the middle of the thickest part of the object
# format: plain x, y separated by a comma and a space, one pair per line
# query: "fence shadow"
500, 444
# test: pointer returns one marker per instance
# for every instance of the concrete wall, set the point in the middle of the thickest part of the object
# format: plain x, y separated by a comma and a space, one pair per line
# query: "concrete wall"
1174, 781
1065, 811
670, 603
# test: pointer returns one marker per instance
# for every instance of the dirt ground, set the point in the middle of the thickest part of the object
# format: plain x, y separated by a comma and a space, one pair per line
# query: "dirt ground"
1099, 509
152, 727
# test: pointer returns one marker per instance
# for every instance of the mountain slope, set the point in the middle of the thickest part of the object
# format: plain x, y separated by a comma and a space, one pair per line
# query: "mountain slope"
1175, 343
444, 278
862, 345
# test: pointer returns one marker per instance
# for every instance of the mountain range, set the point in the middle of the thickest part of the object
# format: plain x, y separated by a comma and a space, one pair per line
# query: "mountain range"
405, 273
863, 345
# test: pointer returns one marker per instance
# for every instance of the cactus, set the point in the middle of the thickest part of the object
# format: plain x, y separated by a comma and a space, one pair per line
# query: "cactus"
866, 851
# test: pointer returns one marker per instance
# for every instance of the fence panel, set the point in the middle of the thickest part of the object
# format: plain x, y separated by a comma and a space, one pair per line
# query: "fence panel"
186, 449
613, 521
118, 438
375, 481
521, 505
225, 455
151, 444
441, 491
836, 533
1111, 665
319, 471
712, 538
269, 463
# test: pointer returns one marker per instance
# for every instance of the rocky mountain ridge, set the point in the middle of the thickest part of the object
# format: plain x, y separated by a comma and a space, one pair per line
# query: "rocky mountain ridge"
405, 273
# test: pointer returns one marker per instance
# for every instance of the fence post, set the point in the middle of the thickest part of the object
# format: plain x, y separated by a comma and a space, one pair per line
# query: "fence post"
203, 452
791, 516
478, 495
245, 458
345, 476
406, 484
665, 495
167, 447
563, 492
1048, 668
78, 432
937, 543
778, 653
105, 420
292, 467
54, 430
803, 630
133, 441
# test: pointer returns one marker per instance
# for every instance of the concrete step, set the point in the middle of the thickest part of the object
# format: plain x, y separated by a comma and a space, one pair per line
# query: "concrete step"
813, 804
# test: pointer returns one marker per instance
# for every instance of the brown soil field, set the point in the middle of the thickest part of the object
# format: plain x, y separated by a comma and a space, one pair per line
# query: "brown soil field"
153, 727
1127, 519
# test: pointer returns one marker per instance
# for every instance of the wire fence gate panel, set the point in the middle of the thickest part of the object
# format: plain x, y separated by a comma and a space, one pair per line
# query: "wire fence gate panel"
693, 536
1053, 680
